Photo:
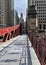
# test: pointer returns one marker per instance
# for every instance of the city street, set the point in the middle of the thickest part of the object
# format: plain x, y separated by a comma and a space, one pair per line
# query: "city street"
18, 52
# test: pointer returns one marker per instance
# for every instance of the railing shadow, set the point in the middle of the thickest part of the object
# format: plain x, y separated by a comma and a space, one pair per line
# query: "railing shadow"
29, 55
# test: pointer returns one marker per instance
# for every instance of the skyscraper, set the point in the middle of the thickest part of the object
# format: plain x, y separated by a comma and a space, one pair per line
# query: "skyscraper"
4, 13
21, 23
41, 9
6, 6
13, 13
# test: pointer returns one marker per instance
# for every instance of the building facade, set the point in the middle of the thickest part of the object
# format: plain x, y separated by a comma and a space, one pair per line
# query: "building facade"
6, 7
17, 17
41, 9
21, 23
32, 23
4, 13
13, 13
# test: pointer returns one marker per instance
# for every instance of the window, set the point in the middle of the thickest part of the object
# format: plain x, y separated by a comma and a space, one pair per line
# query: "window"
31, 23
44, 26
43, 18
40, 26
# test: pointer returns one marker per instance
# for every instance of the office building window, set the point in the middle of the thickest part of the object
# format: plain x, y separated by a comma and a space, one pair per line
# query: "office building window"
40, 26
44, 26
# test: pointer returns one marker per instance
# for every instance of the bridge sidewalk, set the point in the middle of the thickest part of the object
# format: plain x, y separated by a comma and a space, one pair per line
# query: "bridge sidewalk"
18, 51
8, 42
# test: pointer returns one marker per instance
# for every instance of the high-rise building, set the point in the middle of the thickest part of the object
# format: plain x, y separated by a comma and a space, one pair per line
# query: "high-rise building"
17, 17
4, 13
21, 23
13, 13
41, 9
6, 6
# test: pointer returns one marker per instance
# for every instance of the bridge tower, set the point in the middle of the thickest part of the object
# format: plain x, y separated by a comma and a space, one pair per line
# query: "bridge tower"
32, 23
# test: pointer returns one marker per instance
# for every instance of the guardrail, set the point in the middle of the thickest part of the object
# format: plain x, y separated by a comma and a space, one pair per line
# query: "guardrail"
40, 48
9, 32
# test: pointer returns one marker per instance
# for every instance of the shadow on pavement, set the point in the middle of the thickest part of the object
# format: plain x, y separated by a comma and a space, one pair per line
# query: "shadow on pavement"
29, 55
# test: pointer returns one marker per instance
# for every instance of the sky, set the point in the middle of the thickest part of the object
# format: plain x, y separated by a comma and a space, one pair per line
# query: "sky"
21, 6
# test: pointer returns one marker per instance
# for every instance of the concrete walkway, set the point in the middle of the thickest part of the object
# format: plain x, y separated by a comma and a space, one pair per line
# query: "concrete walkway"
18, 51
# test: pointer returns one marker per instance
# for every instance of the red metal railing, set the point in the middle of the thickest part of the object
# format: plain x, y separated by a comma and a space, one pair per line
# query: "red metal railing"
8, 29
40, 48
9, 32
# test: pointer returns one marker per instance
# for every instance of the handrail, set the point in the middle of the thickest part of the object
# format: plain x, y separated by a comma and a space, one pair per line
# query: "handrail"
8, 29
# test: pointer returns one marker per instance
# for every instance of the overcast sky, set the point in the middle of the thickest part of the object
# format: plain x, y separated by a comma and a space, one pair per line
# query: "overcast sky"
20, 6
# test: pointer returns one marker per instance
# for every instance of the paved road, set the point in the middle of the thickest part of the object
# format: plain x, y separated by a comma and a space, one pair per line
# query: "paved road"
15, 53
